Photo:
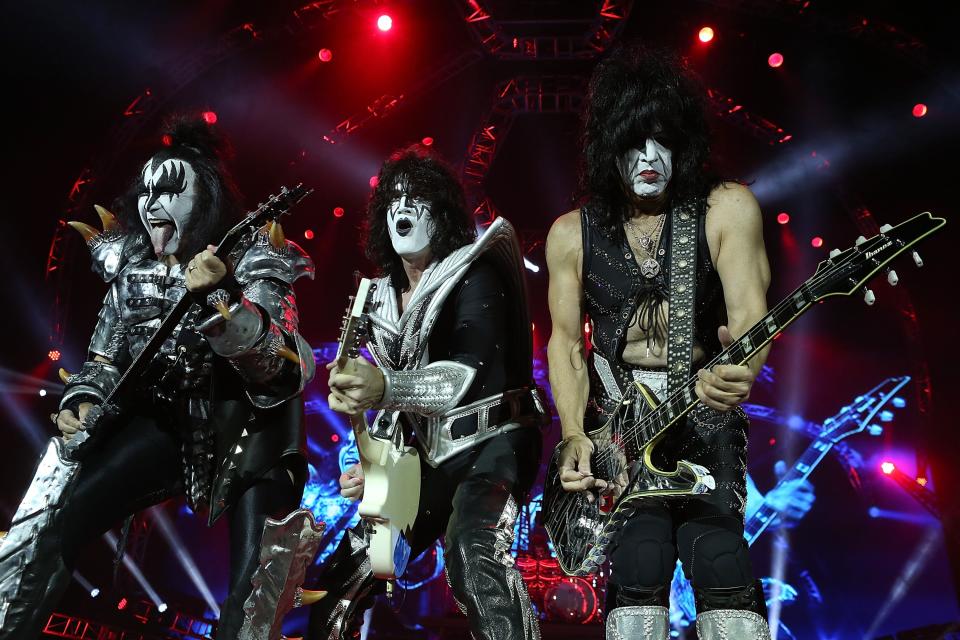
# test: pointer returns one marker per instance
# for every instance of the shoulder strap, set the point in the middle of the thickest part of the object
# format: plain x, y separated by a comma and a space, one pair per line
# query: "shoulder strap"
683, 270
585, 243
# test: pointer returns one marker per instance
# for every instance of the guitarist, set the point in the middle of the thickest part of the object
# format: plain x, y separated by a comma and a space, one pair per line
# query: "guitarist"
451, 339
219, 417
645, 146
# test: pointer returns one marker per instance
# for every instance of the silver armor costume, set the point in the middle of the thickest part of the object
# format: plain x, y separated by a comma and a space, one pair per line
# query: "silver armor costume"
639, 623
143, 290
732, 623
431, 392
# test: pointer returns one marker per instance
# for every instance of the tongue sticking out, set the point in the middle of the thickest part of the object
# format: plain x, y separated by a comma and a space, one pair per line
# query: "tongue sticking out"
159, 236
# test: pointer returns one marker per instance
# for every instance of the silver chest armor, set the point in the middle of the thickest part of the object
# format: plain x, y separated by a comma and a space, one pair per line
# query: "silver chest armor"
430, 394
145, 293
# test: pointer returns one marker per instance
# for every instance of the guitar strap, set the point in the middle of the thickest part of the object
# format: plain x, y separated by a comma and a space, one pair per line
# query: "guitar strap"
683, 281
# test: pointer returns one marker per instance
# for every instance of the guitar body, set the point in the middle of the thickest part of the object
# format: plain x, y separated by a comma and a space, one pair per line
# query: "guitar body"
391, 471
391, 498
581, 531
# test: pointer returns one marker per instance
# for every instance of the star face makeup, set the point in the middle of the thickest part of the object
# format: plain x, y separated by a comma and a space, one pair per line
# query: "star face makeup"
409, 222
168, 193
646, 171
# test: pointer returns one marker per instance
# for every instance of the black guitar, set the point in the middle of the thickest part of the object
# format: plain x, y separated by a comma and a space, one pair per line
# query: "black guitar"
580, 532
99, 420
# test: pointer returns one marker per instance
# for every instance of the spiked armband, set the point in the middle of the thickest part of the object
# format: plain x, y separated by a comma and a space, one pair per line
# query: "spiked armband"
92, 384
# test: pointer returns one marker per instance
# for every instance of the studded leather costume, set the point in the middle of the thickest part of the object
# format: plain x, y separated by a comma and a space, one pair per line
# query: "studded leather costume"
217, 418
458, 369
706, 532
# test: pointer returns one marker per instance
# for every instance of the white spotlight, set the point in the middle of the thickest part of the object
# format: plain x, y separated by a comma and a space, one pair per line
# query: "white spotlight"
43, 392
94, 592
531, 266
162, 607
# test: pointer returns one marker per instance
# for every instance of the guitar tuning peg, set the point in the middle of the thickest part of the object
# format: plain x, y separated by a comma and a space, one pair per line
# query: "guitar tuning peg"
917, 260
860, 240
835, 252
868, 296
892, 277
875, 430
885, 228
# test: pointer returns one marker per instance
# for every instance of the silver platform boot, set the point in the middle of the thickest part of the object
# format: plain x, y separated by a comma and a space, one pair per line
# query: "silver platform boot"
639, 623
722, 624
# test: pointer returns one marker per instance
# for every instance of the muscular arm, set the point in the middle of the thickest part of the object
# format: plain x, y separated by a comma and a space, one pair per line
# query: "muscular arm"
565, 351
741, 261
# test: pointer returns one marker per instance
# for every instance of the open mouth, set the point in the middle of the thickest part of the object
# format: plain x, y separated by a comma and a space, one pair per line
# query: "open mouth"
404, 227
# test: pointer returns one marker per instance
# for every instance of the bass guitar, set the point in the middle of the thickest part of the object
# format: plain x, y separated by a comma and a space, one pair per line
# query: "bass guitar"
623, 447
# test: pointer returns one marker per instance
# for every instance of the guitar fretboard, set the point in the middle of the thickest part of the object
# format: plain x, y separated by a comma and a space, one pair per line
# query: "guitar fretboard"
682, 401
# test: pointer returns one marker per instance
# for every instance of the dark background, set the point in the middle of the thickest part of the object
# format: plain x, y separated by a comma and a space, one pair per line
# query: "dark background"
845, 95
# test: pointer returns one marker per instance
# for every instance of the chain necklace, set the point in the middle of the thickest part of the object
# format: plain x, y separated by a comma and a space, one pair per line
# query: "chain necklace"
649, 268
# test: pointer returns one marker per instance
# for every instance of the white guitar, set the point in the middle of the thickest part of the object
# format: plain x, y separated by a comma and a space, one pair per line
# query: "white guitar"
391, 471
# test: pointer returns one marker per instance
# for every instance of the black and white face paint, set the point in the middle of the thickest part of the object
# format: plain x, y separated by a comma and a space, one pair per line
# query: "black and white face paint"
409, 222
647, 171
168, 193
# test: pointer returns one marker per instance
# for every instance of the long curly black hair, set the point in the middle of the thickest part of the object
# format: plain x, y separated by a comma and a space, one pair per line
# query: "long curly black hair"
427, 177
188, 137
638, 93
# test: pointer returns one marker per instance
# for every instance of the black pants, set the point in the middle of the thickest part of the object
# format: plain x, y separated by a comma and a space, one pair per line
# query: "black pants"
140, 467
472, 501
705, 533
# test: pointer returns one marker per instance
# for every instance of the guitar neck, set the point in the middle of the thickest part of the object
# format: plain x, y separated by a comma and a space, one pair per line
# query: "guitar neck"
679, 403
141, 362
801, 470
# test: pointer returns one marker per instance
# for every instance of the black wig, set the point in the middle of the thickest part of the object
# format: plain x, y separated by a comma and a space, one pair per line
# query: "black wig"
638, 93
427, 177
218, 206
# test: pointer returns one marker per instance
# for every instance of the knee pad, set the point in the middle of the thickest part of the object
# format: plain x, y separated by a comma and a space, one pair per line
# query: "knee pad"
644, 555
714, 553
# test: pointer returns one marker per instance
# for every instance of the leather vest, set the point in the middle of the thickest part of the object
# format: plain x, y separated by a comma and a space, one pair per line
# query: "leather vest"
614, 288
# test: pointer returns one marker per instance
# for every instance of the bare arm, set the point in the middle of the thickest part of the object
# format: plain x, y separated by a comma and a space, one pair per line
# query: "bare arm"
734, 223
565, 351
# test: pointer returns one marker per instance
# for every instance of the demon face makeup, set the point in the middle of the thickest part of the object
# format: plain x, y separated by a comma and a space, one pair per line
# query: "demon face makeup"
168, 193
409, 222
646, 171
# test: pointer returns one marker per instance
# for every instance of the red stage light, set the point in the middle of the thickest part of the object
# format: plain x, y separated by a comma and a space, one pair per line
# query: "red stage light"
167, 140
338, 212
706, 34
773, 441
922, 481
919, 110
427, 141
775, 60
586, 327
325, 55
122, 604
334, 438
783, 217
817, 242
374, 181
308, 234
210, 117
887, 467
54, 355
384, 23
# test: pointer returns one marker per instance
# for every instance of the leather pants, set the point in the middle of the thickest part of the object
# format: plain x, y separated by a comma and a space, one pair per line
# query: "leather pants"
472, 499
140, 467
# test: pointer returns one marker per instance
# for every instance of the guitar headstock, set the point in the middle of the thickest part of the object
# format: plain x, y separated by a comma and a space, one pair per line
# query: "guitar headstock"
276, 206
860, 414
846, 272
353, 329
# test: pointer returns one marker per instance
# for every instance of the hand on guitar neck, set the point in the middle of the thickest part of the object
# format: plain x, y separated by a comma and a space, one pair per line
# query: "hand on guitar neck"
355, 388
